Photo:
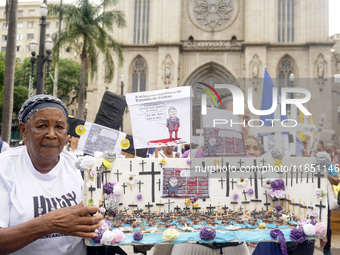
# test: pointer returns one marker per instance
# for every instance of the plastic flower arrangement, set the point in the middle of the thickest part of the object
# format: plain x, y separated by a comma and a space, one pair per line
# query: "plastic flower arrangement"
277, 189
192, 200
131, 180
207, 233
242, 182
320, 194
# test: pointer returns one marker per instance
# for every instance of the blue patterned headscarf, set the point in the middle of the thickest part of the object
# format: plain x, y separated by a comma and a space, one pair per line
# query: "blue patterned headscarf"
38, 102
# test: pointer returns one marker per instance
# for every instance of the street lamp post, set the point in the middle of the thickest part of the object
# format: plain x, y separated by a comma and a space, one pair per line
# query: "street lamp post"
122, 94
86, 106
48, 44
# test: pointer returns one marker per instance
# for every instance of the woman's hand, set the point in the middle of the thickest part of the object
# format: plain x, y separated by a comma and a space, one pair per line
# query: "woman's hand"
74, 220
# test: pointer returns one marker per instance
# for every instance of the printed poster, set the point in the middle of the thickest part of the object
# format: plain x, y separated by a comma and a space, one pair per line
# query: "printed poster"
160, 118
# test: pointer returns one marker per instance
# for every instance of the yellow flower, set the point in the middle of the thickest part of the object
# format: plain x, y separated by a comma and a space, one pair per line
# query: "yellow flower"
262, 225
195, 204
107, 163
217, 162
277, 162
163, 161
187, 201
170, 235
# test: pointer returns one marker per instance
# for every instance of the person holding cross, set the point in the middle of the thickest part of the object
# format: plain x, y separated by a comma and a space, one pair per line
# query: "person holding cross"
41, 210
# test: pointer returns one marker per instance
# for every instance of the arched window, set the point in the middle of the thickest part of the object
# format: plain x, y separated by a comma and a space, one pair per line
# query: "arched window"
139, 75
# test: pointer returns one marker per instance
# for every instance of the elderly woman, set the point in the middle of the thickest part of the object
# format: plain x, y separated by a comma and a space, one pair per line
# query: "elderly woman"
41, 210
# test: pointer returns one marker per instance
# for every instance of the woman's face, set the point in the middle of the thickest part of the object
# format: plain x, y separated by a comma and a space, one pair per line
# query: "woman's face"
45, 134
252, 147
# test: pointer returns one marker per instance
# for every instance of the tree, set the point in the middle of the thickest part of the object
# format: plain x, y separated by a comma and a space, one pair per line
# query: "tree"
88, 27
7, 109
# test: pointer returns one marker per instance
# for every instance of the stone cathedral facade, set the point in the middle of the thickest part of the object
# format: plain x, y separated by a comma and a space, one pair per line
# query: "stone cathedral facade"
169, 43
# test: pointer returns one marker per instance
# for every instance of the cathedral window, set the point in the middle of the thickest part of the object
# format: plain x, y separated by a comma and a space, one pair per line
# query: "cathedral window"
139, 75
141, 22
286, 21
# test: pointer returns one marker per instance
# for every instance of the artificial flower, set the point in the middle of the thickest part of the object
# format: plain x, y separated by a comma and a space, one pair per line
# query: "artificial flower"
277, 184
109, 155
193, 198
107, 163
242, 182
235, 196
100, 233
277, 153
102, 210
250, 192
309, 229
277, 193
320, 229
322, 160
105, 224
108, 187
163, 161
137, 236
207, 233
262, 225
170, 235
314, 214
266, 183
107, 238
278, 233
216, 161
92, 173
87, 162
195, 204
189, 161
297, 235
119, 236
132, 179
139, 196
117, 190
320, 194
187, 201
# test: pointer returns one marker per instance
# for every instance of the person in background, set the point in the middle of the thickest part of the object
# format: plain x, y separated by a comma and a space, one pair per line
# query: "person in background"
252, 146
72, 146
33, 178
167, 152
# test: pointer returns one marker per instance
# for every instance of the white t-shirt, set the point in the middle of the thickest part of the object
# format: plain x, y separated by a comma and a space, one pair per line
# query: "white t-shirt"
4, 147
26, 194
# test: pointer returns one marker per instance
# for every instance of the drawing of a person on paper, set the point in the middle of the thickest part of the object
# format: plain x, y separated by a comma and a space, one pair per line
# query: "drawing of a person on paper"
172, 123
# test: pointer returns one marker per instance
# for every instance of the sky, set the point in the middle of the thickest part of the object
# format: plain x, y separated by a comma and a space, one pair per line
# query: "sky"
334, 15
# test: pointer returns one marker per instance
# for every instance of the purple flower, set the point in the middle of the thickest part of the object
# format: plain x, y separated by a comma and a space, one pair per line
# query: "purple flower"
207, 233
278, 208
235, 196
318, 193
314, 214
189, 161
297, 235
278, 233
313, 222
139, 196
277, 193
100, 234
193, 199
108, 187
277, 184
250, 191
277, 203
137, 236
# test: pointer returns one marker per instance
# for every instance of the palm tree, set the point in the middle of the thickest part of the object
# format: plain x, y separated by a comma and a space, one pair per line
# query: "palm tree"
7, 107
88, 27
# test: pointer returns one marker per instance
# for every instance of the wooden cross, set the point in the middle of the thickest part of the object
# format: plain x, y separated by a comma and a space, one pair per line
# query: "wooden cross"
132, 206
91, 189
143, 162
186, 208
232, 183
291, 178
168, 203
124, 186
210, 208
227, 180
234, 203
218, 207
99, 177
159, 184
152, 173
319, 175
225, 207
177, 208
266, 203
159, 205
255, 182
130, 165
196, 209
139, 185
105, 173
117, 173
240, 162
245, 195
251, 180
221, 180
261, 178
320, 207
263, 162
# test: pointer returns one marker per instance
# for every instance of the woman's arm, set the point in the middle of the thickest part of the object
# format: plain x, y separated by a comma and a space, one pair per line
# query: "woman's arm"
74, 221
